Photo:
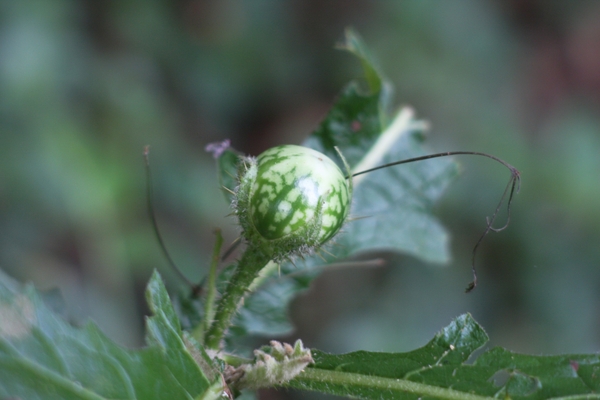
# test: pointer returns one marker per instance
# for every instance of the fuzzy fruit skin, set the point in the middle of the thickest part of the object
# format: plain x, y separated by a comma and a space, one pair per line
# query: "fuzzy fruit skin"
292, 199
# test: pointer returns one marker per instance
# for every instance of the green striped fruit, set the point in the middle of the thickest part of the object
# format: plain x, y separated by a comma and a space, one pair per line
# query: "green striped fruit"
293, 199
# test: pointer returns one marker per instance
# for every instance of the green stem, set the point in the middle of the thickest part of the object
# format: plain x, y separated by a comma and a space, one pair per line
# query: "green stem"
211, 290
253, 260
345, 383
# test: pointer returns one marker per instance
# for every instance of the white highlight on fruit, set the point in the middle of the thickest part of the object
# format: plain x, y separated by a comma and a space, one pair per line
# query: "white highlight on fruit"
310, 190
301, 180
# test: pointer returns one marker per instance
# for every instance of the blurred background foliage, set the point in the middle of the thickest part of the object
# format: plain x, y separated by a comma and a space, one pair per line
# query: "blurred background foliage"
84, 85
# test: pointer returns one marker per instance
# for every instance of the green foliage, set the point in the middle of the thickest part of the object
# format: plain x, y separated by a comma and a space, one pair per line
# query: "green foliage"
43, 357
396, 201
440, 370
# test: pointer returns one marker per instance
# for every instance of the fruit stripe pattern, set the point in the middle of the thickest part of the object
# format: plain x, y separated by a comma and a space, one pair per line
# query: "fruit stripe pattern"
297, 199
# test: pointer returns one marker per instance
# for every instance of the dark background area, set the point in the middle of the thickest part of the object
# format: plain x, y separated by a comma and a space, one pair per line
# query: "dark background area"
84, 85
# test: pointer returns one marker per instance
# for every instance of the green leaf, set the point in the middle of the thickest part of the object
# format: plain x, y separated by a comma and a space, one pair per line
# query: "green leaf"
441, 370
393, 206
355, 45
43, 357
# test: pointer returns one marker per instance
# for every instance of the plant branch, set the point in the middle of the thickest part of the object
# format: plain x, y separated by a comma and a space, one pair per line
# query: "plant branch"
252, 261
211, 290
336, 382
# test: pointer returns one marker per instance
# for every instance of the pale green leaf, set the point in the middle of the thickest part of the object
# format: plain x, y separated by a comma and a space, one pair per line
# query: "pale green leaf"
43, 357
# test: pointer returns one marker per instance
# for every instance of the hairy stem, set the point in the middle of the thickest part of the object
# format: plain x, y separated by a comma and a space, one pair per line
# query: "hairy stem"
211, 290
212, 280
253, 260
342, 383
